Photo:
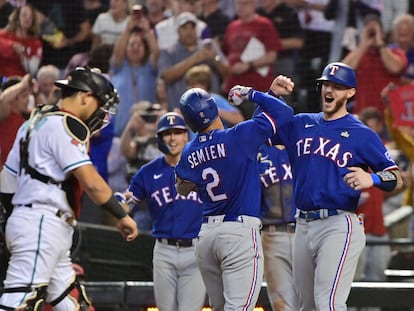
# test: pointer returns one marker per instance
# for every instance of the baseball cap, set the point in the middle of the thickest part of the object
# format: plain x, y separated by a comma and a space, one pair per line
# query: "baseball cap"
184, 18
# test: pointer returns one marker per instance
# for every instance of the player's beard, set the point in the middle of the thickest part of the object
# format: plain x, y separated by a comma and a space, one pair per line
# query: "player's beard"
338, 105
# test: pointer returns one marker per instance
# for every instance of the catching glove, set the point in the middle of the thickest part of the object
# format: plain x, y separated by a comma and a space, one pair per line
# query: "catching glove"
238, 94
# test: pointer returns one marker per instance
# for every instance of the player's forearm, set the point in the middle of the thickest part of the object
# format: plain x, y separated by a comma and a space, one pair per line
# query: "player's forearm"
276, 107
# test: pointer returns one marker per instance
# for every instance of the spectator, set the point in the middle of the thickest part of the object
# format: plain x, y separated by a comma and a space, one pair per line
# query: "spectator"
185, 53
133, 67
286, 22
17, 112
391, 9
20, 46
403, 38
348, 17
117, 164
111, 24
315, 52
65, 30
228, 8
162, 97
156, 11
215, 19
252, 59
47, 94
166, 29
375, 65
200, 77
93, 8
139, 146
5, 10
403, 136
138, 142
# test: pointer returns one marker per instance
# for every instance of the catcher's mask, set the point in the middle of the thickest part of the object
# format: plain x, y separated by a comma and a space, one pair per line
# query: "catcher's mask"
86, 79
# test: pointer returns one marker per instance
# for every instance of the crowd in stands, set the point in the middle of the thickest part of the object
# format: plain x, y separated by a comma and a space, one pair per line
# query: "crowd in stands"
154, 50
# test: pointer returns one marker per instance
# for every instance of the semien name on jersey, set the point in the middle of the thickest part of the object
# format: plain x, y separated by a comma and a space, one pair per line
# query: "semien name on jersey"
206, 154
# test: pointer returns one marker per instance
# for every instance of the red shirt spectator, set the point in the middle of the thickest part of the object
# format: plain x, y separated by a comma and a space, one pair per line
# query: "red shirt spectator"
236, 38
20, 46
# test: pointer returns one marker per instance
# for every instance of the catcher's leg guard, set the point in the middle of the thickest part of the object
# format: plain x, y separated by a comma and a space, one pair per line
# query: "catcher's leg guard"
34, 299
77, 293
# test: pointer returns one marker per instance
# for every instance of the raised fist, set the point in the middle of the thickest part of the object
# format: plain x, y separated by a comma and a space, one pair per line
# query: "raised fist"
239, 94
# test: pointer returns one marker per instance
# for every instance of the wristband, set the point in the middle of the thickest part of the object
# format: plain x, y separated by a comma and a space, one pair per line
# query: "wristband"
114, 208
385, 180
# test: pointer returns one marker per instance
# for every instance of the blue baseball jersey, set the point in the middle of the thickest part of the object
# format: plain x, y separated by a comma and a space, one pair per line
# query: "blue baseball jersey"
320, 152
173, 215
223, 163
276, 176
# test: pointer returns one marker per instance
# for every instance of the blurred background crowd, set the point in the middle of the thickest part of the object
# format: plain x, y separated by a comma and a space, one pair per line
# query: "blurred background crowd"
154, 50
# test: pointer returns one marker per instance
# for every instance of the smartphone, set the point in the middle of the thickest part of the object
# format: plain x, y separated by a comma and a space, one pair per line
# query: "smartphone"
137, 10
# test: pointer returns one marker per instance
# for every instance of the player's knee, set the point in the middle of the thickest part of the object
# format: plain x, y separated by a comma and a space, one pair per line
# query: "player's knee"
76, 293
34, 300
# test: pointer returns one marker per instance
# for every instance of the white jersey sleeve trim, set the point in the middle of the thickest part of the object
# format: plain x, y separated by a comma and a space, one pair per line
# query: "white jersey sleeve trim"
272, 122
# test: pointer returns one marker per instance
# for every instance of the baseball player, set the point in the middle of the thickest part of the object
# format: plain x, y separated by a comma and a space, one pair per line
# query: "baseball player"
48, 160
222, 165
176, 219
278, 217
330, 153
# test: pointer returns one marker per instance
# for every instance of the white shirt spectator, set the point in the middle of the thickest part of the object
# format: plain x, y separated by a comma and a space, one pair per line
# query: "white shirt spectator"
108, 29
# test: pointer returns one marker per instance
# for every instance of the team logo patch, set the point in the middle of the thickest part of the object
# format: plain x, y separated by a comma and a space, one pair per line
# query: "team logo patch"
79, 145
345, 134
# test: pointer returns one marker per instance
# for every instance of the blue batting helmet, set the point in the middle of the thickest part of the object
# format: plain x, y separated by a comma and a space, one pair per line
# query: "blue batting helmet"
170, 120
339, 73
198, 108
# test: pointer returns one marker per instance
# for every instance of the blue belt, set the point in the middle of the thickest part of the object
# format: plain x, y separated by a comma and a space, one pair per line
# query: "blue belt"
225, 219
317, 214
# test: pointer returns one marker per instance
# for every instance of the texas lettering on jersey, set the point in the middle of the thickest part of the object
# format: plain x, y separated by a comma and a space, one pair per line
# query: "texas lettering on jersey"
324, 147
269, 174
164, 196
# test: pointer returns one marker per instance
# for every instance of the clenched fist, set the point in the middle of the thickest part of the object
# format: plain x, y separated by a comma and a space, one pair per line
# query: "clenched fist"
282, 85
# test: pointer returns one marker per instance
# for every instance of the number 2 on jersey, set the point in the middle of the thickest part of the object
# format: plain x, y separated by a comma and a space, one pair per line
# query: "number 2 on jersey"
213, 184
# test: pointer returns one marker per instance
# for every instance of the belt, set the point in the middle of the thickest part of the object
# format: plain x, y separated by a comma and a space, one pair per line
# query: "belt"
221, 218
285, 227
70, 220
177, 242
317, 214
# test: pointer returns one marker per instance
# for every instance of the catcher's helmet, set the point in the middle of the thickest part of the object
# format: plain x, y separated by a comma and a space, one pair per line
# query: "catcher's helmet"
170, 120
198, 108
85, 79
339, 73
89, 80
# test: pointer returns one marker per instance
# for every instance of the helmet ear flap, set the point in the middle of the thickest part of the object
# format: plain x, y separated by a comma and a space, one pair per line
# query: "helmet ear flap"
161, 145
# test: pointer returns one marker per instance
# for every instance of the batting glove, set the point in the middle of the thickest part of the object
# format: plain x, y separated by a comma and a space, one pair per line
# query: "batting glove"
238, 94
